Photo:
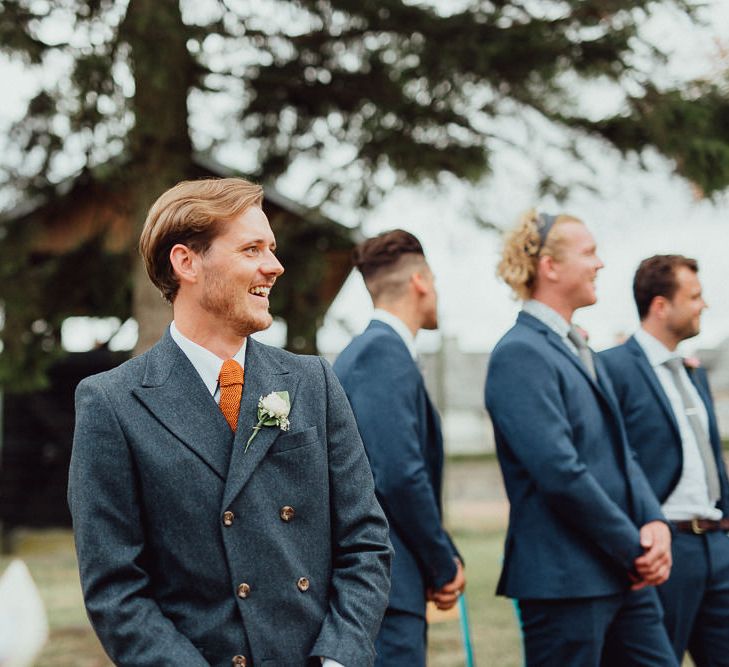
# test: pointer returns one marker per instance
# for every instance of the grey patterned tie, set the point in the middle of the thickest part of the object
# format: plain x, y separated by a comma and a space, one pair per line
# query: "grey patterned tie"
702, 439
583, 351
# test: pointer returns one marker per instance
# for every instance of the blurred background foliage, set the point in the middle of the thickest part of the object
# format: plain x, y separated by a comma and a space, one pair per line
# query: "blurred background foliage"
373, 92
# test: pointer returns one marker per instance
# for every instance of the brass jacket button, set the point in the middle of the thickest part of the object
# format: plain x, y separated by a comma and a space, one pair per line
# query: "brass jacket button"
228, 518
303, 584
287, 513
244, 590
239, 660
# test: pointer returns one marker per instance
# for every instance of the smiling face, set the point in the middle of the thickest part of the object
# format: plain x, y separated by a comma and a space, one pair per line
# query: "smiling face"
683, 311
576, 269
238, 272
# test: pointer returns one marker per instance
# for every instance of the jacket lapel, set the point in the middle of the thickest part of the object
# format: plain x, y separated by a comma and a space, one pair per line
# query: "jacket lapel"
558, 344
176, 396
263, 375
645, 368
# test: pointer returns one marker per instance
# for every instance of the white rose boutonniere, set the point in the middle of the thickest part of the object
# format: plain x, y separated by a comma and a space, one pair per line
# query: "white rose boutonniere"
273, 410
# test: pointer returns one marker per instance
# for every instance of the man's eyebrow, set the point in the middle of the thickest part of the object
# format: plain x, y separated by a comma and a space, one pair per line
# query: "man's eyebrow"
258, 242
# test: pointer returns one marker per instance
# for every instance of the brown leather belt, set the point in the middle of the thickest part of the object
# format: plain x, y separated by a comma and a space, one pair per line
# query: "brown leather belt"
700, 526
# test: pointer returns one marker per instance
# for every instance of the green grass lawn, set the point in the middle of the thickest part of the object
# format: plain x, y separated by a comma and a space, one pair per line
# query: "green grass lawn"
494, 629
50, 557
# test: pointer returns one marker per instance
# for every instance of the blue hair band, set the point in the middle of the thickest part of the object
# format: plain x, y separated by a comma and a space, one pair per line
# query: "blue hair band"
545, 222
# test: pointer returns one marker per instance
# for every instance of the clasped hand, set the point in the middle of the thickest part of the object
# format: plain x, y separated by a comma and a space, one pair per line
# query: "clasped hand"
447, 596
653, 567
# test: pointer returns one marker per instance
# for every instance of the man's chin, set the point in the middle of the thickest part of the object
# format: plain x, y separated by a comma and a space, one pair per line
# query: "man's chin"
430, 324
253, 325
590, 299
690, 333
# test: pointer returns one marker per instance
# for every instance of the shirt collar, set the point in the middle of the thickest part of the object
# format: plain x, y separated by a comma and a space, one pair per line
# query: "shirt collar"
657, 352
206, 363
400, 328
547, 316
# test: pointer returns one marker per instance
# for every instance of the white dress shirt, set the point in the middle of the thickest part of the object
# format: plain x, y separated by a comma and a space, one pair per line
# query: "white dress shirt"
400, 328
549, 316
690, 499
206, 363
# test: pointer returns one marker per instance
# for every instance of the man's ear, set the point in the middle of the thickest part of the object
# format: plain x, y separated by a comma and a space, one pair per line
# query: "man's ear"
659, 307
546, 267
419, 283
185, 263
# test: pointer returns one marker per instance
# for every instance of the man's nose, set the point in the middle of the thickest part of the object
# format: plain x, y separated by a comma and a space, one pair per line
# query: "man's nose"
272, 266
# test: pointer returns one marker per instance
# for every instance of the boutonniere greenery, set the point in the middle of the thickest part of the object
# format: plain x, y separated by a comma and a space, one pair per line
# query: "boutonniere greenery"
273, 410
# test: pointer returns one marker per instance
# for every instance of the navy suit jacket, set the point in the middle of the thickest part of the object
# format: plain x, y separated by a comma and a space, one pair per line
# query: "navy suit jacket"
650, 422
577, 495
401, 433
171, 515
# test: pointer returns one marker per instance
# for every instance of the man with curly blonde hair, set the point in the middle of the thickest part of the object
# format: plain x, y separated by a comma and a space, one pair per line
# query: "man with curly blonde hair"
586, 540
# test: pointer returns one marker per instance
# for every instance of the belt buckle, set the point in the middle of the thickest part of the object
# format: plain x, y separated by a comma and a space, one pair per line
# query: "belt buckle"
695, 528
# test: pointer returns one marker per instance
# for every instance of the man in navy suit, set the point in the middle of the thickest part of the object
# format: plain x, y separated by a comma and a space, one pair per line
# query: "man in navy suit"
210, 532
671, 424
401, 433
586, 538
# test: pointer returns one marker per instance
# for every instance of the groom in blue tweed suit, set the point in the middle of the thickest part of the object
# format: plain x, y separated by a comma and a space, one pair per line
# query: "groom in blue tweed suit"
195, 549
401, 433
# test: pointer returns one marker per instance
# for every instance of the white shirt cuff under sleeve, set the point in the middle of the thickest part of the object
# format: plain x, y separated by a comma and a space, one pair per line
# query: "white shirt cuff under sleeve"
328, 662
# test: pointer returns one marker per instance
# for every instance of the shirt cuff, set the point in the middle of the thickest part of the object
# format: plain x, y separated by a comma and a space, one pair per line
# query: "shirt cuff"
328, 662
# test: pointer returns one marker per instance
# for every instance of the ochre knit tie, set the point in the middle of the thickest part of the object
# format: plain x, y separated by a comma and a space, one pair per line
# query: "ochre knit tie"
231, 388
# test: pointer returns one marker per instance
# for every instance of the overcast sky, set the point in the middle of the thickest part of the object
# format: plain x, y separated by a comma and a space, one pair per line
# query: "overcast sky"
634, 214
639, 214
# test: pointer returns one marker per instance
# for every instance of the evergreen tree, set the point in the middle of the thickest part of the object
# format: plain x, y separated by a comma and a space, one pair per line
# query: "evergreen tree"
382, 87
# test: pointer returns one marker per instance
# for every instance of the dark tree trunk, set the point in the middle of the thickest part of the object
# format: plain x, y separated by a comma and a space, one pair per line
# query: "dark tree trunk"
159, 143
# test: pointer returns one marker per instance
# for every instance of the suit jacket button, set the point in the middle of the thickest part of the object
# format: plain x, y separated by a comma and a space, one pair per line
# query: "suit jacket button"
228, 518
303, 584
243, 590
287, 513
239, 661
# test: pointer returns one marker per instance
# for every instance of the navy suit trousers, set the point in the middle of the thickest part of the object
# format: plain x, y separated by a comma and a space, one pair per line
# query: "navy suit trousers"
696, 598
401, 641
622, 630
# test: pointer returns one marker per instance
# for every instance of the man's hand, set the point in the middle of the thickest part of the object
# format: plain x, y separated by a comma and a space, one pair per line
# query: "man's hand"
448, 595
654, 566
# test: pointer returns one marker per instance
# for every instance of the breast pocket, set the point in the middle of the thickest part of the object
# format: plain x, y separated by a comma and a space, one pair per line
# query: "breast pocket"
288, 441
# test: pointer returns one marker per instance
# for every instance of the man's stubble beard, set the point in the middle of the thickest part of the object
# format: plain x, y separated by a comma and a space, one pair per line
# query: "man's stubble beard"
220, 299
685, 331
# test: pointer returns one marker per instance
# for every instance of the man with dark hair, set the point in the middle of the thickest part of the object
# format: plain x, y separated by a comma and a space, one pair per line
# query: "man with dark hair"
656, 276
401, 433
223, 508
671, 424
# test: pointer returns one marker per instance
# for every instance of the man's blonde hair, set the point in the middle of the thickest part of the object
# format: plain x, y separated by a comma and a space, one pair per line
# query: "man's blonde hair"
522, 249
191, 213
